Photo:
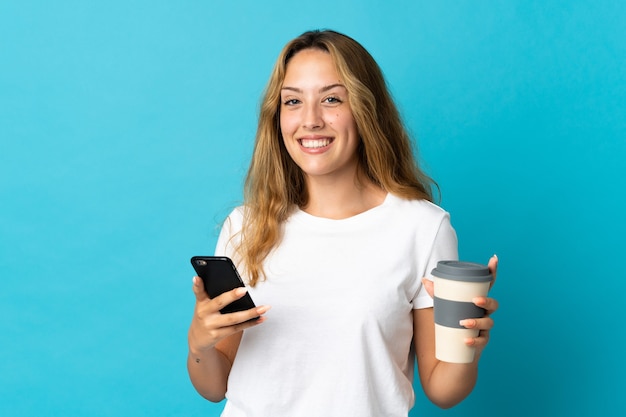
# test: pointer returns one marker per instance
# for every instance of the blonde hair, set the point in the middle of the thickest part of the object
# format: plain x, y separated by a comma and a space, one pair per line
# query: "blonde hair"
275, 185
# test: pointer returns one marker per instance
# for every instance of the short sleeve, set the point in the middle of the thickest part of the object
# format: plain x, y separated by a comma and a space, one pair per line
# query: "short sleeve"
444, 247
229, 234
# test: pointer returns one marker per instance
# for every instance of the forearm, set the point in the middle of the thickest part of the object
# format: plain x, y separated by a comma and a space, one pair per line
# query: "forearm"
450, 383
208, 371
445, 384
213, 340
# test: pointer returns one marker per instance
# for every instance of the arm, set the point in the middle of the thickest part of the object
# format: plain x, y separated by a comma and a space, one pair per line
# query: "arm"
214, 339
447, 384
209, 369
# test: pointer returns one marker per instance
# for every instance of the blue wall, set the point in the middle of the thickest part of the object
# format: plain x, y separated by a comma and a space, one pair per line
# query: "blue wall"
126, 129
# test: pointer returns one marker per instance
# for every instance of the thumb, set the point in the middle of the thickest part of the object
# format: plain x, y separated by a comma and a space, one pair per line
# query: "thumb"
493, 268
198, 289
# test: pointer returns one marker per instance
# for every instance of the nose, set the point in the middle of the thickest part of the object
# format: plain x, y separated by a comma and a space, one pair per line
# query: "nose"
312, 117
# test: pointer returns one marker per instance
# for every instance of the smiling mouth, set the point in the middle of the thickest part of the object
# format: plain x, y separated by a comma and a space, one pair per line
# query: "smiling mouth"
315, 143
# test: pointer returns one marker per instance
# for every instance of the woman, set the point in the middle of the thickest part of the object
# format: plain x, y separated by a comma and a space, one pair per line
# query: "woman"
336, 232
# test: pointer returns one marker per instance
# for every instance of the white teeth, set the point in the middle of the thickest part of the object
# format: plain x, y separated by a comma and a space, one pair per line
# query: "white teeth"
314, 143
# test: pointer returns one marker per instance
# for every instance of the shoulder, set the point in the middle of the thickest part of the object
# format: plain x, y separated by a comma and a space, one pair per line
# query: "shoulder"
235, 218
230, 233
418, 209
423, 220
233, 223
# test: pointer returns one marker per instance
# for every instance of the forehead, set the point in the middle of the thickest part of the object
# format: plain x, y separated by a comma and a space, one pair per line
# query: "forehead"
309, 65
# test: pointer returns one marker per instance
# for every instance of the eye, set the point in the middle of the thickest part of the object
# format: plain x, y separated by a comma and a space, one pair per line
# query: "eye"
291, 102
333, 100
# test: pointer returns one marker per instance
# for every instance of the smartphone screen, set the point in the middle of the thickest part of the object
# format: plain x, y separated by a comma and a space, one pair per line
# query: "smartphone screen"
218, 273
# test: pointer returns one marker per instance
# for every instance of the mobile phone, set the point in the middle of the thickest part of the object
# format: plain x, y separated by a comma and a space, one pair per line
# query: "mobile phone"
219, 275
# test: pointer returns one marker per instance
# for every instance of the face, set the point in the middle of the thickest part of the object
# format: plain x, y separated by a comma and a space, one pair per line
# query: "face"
318, 128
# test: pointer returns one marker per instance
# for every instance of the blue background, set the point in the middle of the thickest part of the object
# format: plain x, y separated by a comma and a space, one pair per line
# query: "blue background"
126, 128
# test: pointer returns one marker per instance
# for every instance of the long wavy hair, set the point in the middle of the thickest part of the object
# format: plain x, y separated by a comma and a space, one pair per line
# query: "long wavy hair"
275, 185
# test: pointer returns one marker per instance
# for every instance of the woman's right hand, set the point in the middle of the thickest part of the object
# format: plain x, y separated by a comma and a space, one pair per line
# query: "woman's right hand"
209, 326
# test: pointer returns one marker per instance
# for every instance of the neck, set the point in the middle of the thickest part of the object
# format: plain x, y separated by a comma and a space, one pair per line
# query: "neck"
335, 199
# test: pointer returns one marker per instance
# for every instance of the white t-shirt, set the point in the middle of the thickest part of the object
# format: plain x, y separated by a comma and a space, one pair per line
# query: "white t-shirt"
338, 338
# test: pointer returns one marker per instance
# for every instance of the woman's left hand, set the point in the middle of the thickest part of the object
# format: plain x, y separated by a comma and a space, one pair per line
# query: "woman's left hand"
484, 324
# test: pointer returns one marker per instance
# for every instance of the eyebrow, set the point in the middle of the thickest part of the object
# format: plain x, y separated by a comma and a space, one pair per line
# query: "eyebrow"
321, 90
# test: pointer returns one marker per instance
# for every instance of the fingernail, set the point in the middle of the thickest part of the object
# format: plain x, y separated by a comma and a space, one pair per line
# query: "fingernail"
467, 323
241, 291
263, 309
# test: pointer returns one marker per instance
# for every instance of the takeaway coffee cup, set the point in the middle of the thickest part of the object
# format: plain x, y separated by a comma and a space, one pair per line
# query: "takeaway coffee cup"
456, 284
